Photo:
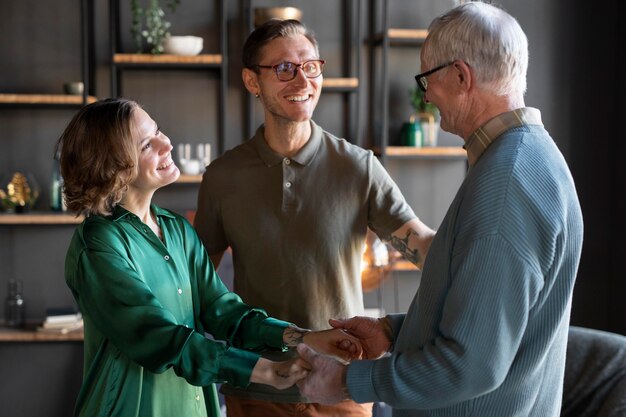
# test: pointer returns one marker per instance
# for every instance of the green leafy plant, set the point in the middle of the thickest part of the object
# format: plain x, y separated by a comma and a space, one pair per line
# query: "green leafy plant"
419, 104
156, 27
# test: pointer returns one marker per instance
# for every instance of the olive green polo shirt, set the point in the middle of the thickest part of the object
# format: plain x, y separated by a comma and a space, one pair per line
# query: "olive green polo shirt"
146, 305
297, 225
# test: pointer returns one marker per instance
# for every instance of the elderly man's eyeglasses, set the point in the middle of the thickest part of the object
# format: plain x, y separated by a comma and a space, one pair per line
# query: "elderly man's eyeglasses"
287, 71
422, 81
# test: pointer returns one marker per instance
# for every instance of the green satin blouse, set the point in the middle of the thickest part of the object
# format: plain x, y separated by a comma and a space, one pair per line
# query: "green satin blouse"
147, 305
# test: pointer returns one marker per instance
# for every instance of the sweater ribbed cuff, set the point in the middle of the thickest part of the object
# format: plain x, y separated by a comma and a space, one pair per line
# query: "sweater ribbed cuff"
359, 382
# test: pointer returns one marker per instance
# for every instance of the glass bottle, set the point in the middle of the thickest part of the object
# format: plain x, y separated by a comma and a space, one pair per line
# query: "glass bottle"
56, 187
14, 304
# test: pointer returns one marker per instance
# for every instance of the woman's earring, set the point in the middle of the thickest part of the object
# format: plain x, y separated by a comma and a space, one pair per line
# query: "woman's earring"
257, 95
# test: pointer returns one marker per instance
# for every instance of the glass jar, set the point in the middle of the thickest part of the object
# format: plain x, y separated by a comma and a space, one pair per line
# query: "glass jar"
14, 304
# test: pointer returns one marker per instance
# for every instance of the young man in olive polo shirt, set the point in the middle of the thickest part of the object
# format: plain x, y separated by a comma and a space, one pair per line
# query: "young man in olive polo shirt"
294, 204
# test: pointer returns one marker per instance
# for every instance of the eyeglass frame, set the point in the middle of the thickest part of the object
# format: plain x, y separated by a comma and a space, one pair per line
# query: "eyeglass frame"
423, 75
295, 71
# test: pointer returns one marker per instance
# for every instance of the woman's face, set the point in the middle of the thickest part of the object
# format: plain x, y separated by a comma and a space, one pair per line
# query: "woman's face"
156, 167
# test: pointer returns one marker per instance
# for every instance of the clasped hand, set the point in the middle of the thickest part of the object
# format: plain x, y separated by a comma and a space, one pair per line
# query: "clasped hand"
325, 380
334, 343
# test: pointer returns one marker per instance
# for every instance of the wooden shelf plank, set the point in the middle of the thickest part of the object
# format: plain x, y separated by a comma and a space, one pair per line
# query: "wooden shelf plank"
39, 218
399, 37
26, 335
448, 152
189, 179
407, 34
167, 59
44, 99
340, 83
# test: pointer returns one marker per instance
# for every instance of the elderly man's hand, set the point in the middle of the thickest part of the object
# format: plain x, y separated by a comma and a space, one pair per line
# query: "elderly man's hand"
325, 381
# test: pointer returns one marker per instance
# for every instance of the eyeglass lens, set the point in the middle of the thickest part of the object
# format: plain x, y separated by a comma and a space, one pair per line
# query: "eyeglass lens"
287, 71
423, 82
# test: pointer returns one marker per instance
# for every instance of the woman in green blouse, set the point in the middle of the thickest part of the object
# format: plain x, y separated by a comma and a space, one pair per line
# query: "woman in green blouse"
146, 288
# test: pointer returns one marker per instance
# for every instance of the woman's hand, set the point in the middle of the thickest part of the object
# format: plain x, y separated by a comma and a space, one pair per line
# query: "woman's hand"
280, 375
336, 343
373, 334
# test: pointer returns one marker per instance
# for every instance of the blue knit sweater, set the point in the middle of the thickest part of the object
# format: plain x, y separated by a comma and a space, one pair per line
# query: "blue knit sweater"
486, 333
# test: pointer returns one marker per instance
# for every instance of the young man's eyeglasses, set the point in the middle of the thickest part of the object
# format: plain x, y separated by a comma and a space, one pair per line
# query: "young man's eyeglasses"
422, 81
287, 71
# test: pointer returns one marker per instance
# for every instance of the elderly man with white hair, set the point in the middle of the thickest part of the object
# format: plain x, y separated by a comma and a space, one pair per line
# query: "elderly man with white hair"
486, 334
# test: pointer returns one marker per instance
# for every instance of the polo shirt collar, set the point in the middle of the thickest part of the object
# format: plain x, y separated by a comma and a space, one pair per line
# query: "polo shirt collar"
485, 135
303, 157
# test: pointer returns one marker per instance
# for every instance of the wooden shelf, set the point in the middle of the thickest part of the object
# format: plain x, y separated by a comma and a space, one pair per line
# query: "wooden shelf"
407, 34
189, 179
206, 59
402, 36
426, 152
340, 84
39, 218
31, 335
34, 99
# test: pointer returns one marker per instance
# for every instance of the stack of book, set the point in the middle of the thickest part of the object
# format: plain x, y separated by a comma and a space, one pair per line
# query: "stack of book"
62, 321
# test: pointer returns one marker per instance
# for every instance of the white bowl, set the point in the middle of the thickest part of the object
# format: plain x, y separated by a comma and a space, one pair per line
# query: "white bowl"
183, 45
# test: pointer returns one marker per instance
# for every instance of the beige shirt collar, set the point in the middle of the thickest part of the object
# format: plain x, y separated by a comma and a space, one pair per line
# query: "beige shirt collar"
485, 135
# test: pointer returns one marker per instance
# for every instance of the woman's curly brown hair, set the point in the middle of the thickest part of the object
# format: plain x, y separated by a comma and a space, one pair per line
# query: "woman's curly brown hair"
98, 156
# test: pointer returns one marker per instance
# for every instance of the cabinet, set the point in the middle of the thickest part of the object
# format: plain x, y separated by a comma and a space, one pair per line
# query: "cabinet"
347, 84
215, 63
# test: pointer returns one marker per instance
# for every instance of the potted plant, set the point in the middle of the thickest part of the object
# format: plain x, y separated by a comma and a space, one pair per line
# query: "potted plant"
427, 114
156, 27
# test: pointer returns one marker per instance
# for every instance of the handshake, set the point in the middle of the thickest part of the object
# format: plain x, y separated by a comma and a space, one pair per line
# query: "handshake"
324, 355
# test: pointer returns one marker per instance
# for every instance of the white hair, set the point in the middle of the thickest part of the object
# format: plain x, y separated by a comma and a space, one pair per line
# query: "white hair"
488, 39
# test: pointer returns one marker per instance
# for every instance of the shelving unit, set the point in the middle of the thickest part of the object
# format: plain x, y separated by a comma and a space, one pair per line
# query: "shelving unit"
59, 101
215, 63
87, 59
9, 100
348, 85
383, 37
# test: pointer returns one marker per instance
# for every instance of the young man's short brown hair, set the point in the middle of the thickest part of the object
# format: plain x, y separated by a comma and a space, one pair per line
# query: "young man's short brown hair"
270, 30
